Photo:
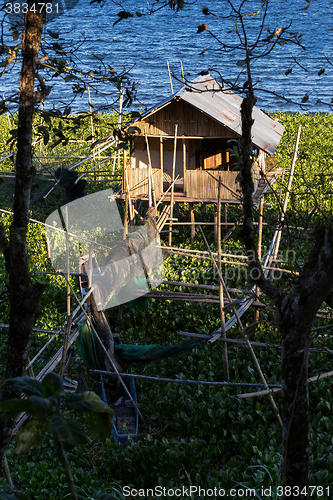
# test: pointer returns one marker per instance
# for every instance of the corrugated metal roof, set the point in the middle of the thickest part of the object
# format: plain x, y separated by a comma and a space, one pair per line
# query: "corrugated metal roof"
223, 105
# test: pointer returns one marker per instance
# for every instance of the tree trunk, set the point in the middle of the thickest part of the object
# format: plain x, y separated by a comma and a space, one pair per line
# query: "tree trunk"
295, 334
24, 297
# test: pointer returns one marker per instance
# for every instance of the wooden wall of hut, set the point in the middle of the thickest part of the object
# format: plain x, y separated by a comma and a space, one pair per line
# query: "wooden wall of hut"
191, 122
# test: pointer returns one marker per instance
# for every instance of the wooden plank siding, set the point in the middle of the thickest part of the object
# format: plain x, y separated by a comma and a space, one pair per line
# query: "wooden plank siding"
138, 181
203, 184
191, 123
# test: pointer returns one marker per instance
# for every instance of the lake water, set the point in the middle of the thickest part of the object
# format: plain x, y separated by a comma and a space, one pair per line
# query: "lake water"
144, 44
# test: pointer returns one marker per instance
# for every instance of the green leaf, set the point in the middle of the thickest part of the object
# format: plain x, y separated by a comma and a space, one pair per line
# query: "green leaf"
31, 436
53, 34
52, 385
41, 405
87, 401
13, 495
15, 35
16, 406
132, 130
28, 385
100, 425
66, 431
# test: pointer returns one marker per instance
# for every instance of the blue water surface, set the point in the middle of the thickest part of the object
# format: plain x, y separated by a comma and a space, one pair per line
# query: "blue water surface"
143, 45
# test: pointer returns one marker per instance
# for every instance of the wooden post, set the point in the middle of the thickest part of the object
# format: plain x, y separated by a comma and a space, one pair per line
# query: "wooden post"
161, 162
192, 220
225, 350
150, 180
184, 165
215, 224
126, 217
226, 216
69, 316
173, 184
261, 211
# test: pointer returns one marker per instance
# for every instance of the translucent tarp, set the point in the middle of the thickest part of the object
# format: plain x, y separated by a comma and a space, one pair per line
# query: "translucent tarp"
92, 224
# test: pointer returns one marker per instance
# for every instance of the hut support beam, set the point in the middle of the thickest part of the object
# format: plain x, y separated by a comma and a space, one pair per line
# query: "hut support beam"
173, 183
192, 217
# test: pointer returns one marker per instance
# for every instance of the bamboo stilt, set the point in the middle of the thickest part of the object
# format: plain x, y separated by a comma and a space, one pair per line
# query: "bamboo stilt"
225, 350
192, 222
151, 187
161, 163
184, 165
215, 224
173, 182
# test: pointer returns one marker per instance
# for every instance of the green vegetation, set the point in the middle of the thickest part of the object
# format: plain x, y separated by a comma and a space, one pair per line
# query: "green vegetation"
195, 435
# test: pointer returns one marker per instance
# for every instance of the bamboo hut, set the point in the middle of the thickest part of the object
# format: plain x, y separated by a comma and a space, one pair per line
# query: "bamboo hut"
188, 137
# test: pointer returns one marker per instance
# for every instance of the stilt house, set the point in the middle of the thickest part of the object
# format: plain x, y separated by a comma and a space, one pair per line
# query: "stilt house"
188, 137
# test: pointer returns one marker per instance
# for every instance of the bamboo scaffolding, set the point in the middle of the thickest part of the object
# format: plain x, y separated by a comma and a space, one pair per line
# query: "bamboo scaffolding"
107, 355
221, 298
261, 212
68, 300
193, 297
173, 183
242, 342
62, 231
39, 330
237, 316
240, 264
89, 157
179, 381
285, 203
278, 389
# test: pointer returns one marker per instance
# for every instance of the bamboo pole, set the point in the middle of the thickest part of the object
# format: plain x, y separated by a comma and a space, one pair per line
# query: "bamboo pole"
261, 212
92, 127
108, 356
68, 302
260, 373
278, 389
181, 66
284, 208
192, 222
221, 299
173, 183
161, 162
170, 77
151, 187
126, 217
184, 165
177, 380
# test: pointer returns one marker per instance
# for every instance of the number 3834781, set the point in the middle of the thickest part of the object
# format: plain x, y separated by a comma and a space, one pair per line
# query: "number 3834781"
23, 8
